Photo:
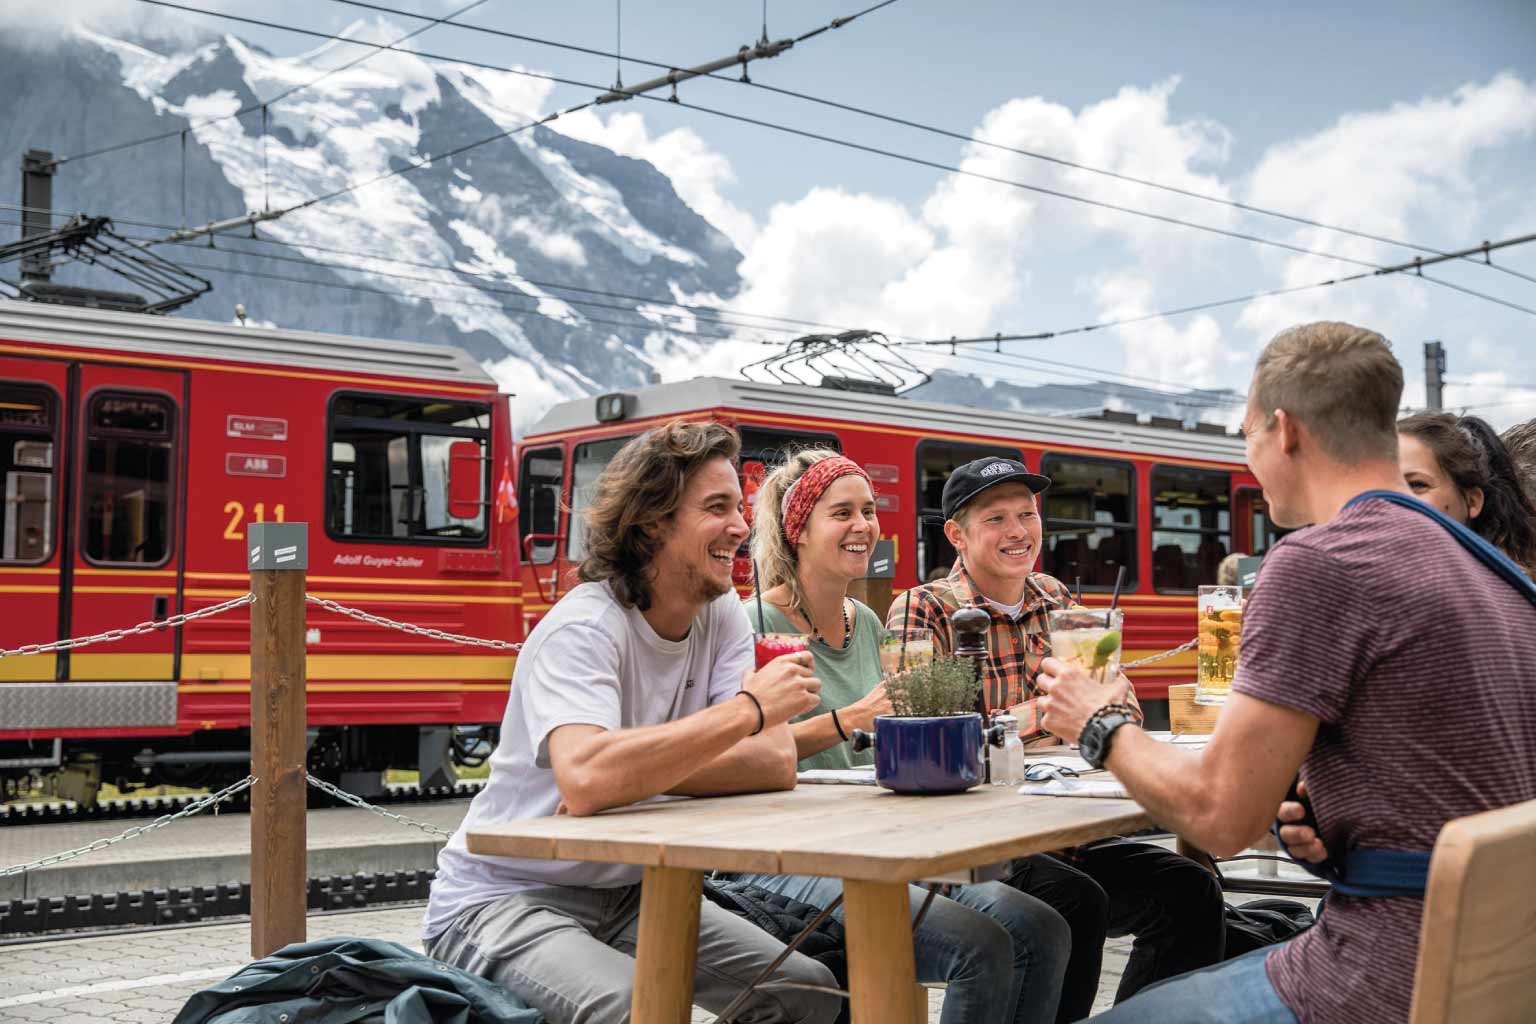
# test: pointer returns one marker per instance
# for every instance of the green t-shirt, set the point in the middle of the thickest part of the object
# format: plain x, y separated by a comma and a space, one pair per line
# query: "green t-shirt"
846, 674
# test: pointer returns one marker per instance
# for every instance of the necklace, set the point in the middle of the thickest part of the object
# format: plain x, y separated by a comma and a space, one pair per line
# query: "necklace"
816, 633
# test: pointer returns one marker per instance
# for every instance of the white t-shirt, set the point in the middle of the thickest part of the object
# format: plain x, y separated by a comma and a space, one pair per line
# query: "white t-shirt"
1012, 611
590, 661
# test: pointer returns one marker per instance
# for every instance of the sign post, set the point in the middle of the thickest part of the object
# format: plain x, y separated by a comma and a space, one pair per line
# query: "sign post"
278, 557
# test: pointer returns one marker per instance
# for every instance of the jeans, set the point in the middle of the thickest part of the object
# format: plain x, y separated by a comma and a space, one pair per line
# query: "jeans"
1236, 992
569, 953
1172, 906
1000, 952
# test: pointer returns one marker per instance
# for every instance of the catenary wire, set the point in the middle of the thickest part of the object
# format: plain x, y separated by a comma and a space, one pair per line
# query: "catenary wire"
952, 134
744, 119
705, 312
801, 133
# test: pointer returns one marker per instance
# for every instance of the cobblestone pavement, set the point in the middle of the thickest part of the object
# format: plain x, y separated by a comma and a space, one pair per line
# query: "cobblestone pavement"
145, 977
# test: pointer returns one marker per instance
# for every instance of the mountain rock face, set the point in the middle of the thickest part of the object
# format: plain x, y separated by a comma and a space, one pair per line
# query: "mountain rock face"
533, 252
536, 252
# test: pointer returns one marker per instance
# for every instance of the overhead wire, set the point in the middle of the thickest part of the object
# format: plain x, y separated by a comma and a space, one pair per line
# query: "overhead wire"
948, 133
1301, 250
707, 314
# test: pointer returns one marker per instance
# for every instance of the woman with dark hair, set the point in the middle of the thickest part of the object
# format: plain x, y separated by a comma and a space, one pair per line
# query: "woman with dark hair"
1459, 465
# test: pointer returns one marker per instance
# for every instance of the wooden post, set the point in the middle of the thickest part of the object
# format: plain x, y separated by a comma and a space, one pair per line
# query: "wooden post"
882, 974
279, 879
666, 946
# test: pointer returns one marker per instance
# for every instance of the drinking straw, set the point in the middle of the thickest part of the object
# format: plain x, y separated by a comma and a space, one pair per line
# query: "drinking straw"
757, 588
1078, 597
1114, 602
906, 619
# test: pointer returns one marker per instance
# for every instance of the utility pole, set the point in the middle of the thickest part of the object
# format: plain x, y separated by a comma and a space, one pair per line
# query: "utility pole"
36, 211
1434, 374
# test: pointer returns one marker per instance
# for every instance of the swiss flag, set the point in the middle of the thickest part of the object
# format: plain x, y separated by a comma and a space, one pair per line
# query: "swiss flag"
506, 496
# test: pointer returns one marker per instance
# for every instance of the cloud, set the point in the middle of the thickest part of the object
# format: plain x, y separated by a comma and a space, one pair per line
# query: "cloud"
968, 254
1408, 171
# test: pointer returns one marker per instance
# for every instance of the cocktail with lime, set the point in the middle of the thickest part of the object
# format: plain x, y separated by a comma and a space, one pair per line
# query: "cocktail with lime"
1088, 638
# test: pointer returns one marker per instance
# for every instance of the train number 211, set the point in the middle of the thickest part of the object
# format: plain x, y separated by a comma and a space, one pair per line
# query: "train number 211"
236, 513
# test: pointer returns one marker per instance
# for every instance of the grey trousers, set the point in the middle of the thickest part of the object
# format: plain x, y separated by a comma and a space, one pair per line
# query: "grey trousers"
569, 953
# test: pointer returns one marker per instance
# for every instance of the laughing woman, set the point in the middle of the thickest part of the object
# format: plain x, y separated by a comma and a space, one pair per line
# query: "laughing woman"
1002, 953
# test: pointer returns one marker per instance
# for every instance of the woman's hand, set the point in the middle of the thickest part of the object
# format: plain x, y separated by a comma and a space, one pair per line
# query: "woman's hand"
862, 712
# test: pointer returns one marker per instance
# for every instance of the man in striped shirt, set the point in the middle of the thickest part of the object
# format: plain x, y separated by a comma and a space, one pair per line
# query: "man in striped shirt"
1169, 903
1369, 631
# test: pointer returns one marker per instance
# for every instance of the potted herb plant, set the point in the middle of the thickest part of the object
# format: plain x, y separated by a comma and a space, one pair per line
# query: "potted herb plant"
932, 742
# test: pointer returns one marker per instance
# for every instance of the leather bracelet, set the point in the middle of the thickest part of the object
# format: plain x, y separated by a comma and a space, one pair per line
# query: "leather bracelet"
838, 726
1107, 709
761, 721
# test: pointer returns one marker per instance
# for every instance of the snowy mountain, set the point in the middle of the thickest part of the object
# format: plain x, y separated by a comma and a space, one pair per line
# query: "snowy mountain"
510, 250
535, 252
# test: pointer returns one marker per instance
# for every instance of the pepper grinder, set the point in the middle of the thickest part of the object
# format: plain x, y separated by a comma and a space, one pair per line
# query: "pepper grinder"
970, 630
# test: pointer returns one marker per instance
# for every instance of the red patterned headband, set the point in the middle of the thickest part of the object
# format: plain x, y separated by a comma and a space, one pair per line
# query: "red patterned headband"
805, 492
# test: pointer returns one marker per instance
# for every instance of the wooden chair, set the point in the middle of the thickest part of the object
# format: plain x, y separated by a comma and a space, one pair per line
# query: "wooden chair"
1477, 944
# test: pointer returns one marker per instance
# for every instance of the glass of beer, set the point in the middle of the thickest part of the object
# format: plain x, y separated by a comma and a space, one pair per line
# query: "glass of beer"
1220, 611
1088, 638
771, 645
905, 649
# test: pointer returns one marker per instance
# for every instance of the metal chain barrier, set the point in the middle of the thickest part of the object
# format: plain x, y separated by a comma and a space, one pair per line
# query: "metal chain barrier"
407, 627
357, 801
199, 806
1187, 645
152, 626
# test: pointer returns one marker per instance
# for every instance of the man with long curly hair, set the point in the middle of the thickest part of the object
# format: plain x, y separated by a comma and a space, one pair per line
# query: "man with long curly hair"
638, 682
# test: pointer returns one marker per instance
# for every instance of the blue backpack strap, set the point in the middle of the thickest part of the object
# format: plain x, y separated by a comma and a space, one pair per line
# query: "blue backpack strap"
1486, 553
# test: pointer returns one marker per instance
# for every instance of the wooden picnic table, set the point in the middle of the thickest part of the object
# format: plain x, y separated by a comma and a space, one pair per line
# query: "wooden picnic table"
875, 841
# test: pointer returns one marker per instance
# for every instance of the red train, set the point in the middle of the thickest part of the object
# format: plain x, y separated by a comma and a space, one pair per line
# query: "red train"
134, 452
1168, 504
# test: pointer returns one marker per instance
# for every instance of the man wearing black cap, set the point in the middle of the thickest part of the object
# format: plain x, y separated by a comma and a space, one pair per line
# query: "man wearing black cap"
1169, 903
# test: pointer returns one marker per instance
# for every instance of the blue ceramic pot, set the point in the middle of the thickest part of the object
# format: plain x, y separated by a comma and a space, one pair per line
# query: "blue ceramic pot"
925, 755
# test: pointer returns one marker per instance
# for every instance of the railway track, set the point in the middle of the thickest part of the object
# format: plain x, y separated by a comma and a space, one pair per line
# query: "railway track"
50, 812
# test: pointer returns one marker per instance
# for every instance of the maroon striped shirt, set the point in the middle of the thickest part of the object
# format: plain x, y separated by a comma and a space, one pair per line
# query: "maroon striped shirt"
1420, 665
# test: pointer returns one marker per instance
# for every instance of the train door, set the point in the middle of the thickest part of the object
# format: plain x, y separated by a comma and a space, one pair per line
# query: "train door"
33, 438
126, 562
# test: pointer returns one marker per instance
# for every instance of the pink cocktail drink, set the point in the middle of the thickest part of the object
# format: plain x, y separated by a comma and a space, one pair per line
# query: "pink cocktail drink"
772, 645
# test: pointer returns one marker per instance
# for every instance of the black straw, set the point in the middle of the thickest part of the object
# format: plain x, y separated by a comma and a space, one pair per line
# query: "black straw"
906, 627
1114, 602
757, 588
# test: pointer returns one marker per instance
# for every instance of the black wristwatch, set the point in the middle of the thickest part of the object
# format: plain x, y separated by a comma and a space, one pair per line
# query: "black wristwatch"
1093, 743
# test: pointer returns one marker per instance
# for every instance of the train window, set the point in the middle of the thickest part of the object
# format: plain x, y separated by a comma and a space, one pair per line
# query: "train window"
127, 497
1253, 511
1090, 521
935, 461
1191, 526
538, 499
389, 468
27, 418
588, 463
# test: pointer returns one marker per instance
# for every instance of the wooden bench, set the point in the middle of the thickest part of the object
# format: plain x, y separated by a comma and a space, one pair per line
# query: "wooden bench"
1477, 944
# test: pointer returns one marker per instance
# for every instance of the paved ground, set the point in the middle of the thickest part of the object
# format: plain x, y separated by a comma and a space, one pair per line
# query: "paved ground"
144, 978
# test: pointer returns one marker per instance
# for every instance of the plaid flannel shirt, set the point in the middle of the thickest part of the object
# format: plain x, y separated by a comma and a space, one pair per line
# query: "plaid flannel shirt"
1016, 647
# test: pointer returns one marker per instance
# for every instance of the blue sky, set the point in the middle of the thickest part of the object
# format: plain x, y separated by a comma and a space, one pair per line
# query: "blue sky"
1412, 120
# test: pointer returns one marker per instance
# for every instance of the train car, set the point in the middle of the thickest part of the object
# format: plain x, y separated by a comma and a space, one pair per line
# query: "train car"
1167, 504
136, 450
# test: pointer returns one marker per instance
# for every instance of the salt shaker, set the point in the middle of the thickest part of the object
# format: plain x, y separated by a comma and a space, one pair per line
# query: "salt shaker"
1008, 766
